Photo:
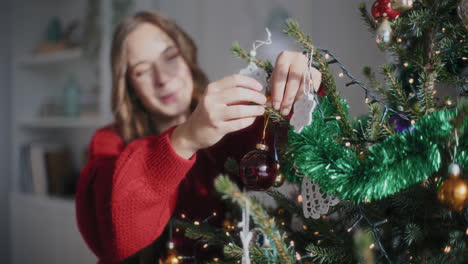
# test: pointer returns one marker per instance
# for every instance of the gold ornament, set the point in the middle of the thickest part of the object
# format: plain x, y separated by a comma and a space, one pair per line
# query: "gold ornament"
454, 190
171, 258
279, 180
402, 5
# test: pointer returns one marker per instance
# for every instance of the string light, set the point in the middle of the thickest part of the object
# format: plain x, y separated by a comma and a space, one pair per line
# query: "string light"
411, 80
449, 102
183, 216
327, 56
399, 40
177, 229
196, 223
340, 74
347, 144
214, 214
466, 232
372, 246
227, 234
464, 58
437, 52
305, 228
447, 249
216, 259
205, 246
443, 30
283, 223
316, 233
298, 256
434, 92
406, 64
299, 198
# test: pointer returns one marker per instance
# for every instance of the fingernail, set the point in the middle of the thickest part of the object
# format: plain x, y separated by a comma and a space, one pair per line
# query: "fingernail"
276, 105
285, 112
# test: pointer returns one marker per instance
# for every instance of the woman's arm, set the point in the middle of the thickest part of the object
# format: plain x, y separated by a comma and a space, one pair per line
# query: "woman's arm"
126, 194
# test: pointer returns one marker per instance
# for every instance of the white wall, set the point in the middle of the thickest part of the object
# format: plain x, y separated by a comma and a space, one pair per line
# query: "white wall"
4, 131
332, 24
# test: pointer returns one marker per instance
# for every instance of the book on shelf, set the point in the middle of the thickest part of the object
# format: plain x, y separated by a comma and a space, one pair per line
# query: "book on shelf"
47, 169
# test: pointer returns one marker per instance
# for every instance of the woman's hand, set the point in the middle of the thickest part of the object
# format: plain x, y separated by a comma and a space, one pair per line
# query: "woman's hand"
287, 83
225, 107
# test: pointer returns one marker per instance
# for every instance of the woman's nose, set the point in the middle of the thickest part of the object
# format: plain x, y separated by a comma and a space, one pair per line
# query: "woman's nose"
161, 75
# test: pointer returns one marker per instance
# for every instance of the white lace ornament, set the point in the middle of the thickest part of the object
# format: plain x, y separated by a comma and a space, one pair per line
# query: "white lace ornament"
304, 107
252, 70
302, 115
314, 202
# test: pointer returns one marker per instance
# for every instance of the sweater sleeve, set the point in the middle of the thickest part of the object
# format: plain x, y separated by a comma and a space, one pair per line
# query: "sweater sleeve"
127, 193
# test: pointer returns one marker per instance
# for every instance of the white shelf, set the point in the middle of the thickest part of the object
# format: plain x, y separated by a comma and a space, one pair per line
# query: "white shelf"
51, 58
62, 122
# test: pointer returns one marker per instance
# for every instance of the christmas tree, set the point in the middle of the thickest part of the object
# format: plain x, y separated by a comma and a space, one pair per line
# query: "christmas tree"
387, 187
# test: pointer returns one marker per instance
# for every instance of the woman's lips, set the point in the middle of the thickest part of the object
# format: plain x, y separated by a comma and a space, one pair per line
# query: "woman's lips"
169, 98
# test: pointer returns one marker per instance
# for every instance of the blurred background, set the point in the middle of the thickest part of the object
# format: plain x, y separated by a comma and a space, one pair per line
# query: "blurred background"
55, 91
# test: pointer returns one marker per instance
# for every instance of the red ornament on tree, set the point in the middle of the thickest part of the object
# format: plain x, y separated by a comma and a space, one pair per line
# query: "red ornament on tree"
258, 169
383, 8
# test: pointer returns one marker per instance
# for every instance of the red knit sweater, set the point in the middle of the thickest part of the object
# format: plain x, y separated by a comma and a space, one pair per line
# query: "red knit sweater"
126, 194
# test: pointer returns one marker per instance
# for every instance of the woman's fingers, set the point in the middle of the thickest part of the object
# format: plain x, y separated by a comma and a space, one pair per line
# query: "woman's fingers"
242, 111
238, 80
292, 88
238, 95
238, 124
279, 79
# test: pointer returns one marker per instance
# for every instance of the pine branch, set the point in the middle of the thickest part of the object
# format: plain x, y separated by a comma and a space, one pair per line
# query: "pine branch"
398, 93
259, 215
366, 17
203, 232
241, 53
413, 234
370, 75
327, 255
235, 252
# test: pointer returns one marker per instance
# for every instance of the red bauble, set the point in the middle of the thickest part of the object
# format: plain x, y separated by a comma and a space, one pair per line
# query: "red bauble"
383, 8
258, 169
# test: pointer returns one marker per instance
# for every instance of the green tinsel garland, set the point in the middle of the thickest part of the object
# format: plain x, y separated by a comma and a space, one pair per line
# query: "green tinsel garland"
398, 162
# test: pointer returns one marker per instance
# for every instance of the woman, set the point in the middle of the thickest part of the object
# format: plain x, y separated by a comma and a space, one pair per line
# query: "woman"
162, 153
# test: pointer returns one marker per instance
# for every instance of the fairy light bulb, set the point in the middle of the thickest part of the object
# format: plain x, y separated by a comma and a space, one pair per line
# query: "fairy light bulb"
443, 30
371, 246
299, 198
183, 216
327, 56
298, 256
196, 223
316, 233
406, 64
464, 58
449, 102
399, 40
411, 80
340, 74
447, 249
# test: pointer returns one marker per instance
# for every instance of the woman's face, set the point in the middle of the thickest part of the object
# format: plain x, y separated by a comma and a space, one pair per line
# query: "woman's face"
158, 72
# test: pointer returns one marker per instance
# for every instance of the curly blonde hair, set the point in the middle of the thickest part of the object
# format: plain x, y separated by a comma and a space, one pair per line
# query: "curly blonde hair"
132, 120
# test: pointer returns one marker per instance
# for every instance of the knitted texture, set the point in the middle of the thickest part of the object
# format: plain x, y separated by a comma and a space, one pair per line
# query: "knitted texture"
126, 194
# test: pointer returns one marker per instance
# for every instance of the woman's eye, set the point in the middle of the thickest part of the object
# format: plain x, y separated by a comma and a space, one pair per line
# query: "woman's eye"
142, 70
172, 56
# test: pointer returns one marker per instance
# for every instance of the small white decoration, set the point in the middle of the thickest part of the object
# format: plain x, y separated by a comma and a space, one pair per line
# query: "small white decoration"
314, 202
303, 109
252, 70
245, 235
257, 73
